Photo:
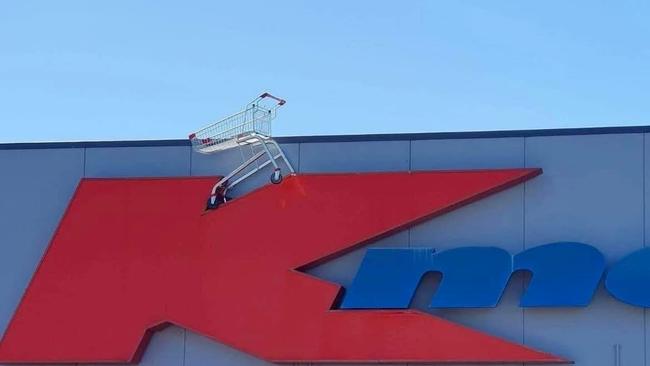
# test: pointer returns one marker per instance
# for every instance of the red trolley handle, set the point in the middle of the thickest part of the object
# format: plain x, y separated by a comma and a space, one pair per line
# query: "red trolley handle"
268, 95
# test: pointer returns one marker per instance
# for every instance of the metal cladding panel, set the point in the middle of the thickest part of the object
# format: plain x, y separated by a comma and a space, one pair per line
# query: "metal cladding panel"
35, 188
167, 161
365, 156
166, 348
493, 221
480, 153
591, 192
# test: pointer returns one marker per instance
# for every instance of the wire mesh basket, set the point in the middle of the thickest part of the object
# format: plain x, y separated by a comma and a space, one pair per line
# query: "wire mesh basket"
248, 126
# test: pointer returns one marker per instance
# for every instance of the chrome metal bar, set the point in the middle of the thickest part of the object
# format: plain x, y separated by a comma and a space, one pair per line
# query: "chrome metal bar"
262, 166
236, 171
281, 153
268, 152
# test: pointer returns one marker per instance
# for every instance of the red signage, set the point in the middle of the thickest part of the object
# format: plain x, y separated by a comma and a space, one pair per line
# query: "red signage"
132, 255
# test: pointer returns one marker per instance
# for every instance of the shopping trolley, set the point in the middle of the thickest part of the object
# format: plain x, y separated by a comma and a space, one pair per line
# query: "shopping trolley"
250, 129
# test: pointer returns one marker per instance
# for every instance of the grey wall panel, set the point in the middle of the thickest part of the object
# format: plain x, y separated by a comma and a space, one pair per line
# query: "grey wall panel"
138, 161
496, 220
467, 154
224, 162
354, 156
35, 189
591, 191
166, 348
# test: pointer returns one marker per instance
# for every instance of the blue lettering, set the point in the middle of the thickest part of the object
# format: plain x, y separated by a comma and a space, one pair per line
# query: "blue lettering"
563, 274
388, 278
629, 279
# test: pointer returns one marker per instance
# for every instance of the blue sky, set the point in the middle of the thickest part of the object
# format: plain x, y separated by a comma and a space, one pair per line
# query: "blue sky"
106, 70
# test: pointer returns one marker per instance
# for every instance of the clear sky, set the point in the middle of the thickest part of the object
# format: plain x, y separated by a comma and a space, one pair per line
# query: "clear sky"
106, 70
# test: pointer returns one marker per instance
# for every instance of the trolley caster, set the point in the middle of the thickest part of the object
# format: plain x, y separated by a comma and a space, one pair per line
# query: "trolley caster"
215, 201
276, 177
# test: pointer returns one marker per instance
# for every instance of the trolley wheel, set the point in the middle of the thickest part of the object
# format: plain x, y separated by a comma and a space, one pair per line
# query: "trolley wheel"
216, 201
212, 203
276, 177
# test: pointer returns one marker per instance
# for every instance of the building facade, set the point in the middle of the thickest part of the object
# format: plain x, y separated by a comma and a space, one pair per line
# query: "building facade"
593, 190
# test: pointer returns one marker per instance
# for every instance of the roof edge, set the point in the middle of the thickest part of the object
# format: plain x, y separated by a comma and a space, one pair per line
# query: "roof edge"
346, 138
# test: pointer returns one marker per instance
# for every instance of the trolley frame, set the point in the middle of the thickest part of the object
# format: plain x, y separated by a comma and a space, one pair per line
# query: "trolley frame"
249, 127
